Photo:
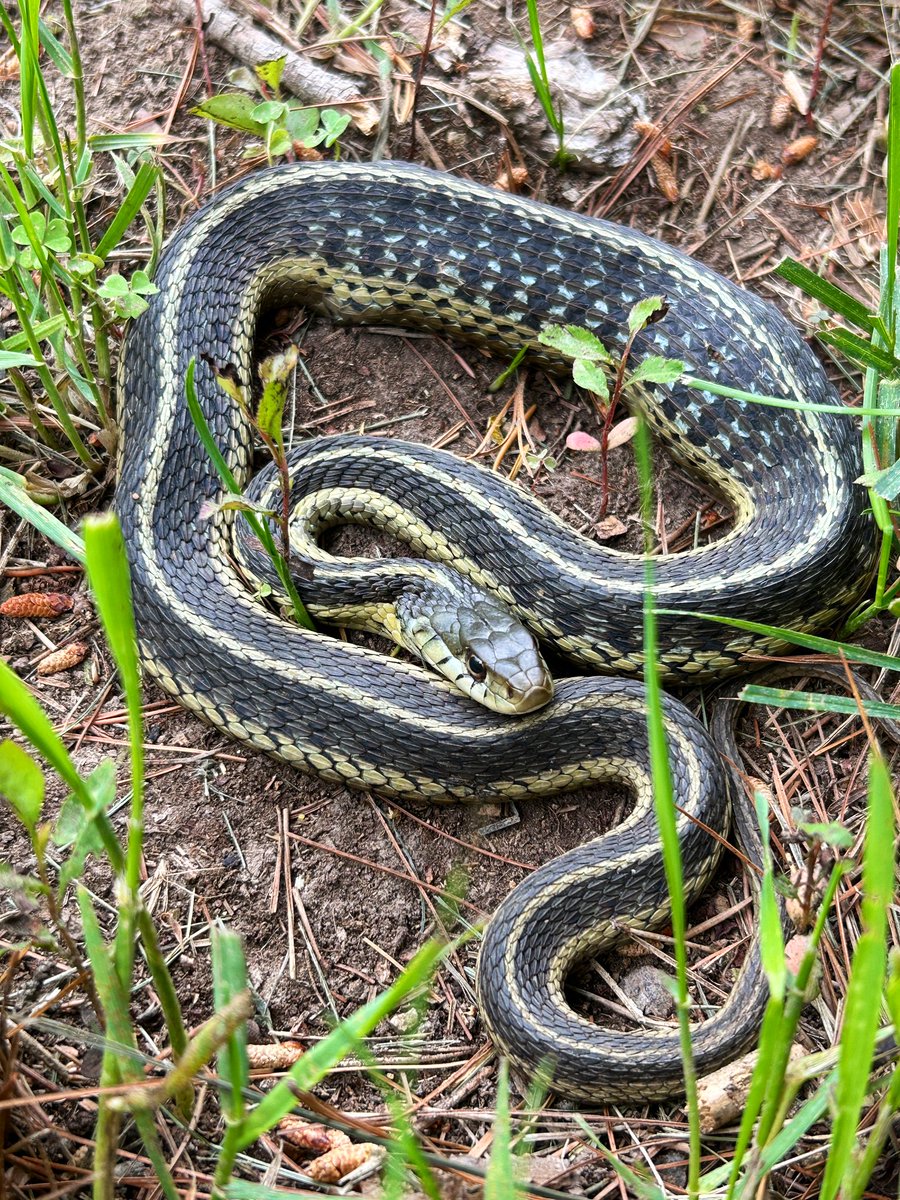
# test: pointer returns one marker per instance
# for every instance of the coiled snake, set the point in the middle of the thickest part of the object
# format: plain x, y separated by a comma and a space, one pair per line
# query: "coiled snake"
393, 243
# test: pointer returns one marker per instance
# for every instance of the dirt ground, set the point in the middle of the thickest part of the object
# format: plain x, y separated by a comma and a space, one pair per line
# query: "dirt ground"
331, 890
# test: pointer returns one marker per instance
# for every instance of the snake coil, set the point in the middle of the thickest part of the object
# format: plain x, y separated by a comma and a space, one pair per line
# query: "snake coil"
398, 244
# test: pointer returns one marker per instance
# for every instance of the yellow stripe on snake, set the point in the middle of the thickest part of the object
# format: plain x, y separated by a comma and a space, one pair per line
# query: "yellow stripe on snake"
397, 244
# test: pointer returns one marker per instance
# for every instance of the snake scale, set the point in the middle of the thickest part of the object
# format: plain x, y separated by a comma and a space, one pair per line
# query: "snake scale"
398, 244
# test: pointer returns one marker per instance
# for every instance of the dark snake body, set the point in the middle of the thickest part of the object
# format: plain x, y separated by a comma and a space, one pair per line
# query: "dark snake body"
394, 243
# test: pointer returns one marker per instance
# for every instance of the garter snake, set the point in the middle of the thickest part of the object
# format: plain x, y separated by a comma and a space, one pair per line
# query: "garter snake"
398, 244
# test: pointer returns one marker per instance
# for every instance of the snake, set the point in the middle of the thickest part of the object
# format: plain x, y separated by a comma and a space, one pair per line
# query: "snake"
495, 583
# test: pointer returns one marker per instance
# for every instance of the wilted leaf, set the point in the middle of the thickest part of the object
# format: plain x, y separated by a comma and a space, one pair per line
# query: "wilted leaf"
609, 527
579, 440
621, 433
651, 308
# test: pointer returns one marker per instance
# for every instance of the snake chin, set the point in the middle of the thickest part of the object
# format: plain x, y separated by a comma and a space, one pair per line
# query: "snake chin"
478, 645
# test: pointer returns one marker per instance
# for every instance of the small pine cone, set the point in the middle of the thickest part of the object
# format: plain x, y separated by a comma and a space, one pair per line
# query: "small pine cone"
781, 111
582, 22
308, 1136
665, 177
62, 660
37, 604
763, 170
648, 130
799, 149
745, 27
512, 180
333, 1166
274, 1056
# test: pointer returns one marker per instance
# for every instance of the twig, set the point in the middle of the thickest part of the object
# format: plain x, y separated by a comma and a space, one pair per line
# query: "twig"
417, 85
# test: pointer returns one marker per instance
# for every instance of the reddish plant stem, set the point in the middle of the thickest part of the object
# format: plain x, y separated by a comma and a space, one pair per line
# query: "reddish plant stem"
817, 65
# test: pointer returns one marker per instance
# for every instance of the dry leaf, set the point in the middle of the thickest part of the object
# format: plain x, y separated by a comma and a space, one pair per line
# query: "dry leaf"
808, 891
745, 27
621, 433
866, 228
782, 111
683, 39
333, 1166
64, 659
798, 149
794, 953
797, 90
582, 22
609, 527
37, 604
274, 1056
307, 153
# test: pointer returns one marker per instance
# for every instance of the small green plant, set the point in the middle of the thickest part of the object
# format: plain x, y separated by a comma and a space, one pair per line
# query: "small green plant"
267, 421
540, 81
51, 262
592, 366
282, 127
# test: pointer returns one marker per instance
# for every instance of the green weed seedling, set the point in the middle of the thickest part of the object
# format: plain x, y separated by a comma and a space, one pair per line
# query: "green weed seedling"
281, 127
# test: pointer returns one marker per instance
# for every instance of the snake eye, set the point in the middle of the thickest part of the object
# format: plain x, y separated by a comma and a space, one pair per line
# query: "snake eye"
476, 668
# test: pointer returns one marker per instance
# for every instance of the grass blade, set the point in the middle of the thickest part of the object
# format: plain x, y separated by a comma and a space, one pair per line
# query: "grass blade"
819, 702
129, 208
664, 801
860, 351
809, 641
14, 494
500, 1183
260, 528
110, 582
893, 195
862, 1009
316, 1063
826, 293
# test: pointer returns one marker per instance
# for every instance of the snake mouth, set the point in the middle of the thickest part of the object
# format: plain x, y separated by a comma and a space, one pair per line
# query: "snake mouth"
535, 697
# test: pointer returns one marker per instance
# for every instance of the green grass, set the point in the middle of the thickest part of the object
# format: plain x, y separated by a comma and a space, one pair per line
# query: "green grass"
536, 63
60, 363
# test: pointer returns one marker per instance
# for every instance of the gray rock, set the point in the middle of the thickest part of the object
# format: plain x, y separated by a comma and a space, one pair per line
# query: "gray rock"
598, 116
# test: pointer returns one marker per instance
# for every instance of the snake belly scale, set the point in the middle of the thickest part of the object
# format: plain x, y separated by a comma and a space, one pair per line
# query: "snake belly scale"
399, 244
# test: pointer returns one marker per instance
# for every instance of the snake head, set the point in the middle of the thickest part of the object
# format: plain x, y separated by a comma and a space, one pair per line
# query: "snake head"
476, 643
